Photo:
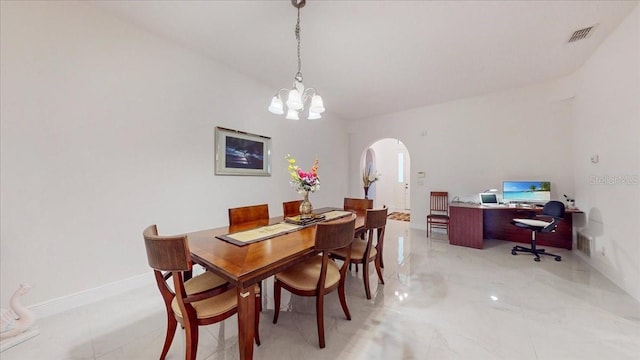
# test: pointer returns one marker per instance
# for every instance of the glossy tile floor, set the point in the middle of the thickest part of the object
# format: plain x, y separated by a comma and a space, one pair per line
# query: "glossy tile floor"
439, 302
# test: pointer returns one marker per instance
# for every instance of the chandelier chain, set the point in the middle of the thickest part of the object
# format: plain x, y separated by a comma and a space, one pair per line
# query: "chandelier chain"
299, 73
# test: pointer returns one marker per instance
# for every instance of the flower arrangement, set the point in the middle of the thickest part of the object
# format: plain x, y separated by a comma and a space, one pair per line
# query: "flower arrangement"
369, 176
301, 180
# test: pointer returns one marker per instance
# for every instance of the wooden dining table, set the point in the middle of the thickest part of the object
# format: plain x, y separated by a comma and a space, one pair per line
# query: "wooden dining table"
245, 265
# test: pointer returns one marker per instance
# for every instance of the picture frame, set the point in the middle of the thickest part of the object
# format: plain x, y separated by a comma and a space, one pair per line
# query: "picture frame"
241, 153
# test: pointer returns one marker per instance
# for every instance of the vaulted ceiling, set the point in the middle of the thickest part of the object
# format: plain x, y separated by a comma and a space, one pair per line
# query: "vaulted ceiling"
368, 58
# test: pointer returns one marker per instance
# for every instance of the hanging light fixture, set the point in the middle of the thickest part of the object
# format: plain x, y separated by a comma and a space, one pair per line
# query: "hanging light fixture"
297, 96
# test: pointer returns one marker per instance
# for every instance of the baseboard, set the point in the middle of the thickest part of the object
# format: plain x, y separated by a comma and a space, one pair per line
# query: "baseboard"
19, 339
72, 301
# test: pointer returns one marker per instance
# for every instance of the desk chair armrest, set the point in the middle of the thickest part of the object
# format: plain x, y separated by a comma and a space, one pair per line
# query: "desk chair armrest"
552, 225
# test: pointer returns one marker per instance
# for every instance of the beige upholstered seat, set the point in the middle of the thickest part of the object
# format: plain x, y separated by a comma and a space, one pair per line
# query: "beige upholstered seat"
366, 251
357, 251
305, 276
319, 274
210, 307
205, 299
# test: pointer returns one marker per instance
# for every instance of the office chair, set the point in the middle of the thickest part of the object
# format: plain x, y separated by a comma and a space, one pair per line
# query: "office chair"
553, 211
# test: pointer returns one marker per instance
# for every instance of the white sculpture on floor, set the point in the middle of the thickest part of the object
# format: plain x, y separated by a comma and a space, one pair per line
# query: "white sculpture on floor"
18, 319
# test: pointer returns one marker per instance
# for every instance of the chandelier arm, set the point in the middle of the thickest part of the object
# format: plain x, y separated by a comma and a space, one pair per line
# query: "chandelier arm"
308, 93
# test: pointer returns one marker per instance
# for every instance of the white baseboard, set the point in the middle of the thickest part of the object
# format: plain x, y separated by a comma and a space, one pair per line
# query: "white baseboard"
19, 339
72, 301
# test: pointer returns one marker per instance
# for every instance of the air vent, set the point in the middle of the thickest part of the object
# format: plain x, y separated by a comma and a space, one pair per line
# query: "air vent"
582, 33
584, 243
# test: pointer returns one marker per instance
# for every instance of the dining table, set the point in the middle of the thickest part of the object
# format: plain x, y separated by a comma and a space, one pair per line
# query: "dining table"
245, 263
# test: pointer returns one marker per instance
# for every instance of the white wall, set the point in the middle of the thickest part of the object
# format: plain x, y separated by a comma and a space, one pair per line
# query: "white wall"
607, 123
106, 128
470, 145
546, 132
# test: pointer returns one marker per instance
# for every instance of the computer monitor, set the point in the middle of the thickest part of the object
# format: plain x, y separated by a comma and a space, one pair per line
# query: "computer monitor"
526, 191
488, 199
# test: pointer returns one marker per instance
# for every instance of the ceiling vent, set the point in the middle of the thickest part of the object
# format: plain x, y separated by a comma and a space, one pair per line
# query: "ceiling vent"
582, 33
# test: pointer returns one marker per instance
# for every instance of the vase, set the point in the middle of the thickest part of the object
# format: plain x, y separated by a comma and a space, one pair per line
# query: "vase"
366, 192
306, 208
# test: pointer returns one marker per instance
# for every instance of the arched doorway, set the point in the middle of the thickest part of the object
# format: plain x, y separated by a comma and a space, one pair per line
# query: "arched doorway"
390, 158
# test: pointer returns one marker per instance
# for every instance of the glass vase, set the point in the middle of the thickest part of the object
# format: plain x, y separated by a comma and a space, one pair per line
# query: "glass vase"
306, 208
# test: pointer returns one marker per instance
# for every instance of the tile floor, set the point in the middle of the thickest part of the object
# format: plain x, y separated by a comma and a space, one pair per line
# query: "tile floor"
439, 302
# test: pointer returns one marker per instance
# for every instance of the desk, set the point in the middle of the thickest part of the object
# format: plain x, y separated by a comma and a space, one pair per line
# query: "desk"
244, 266
470, 224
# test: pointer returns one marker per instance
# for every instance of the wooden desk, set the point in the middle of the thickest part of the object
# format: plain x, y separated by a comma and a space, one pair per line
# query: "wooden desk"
246, 265
470, 224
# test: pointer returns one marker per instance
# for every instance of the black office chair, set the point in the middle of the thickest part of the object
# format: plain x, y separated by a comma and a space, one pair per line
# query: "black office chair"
553, 211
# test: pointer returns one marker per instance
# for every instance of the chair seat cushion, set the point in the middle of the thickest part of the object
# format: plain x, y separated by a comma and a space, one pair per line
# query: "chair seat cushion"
305, 275
213, 306
532, 222
358, 248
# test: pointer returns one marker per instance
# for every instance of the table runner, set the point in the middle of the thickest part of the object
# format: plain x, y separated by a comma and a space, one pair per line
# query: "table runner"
246, 237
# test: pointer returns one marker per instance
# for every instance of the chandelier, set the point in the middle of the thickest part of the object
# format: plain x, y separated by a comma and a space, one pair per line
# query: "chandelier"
297, 96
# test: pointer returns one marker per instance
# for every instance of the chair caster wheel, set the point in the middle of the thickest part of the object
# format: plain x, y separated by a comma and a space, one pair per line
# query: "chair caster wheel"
513, 252
558, 258
537, 259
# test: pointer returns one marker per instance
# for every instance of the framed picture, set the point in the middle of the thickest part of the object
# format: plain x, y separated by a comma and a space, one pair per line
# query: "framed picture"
241, 153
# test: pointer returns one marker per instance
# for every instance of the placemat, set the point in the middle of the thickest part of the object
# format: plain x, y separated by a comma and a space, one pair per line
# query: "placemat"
336, 214
259, 234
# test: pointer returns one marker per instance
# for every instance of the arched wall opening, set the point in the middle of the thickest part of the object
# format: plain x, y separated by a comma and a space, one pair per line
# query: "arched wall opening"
388, 158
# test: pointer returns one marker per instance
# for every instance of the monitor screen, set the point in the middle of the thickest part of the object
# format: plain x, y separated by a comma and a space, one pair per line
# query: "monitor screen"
528, 191
486, 198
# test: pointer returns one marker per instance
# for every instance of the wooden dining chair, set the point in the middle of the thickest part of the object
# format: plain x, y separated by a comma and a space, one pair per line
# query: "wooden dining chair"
319, 275
202, 300
357, 204
291, 208
438, 211
247, 217
256, 214
367, 251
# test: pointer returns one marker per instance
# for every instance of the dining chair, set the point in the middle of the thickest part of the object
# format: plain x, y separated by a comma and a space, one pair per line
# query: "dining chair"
366, 251
291, 208
357, 204
202, 300
254, 214
319, 275
246, 217
438, 211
